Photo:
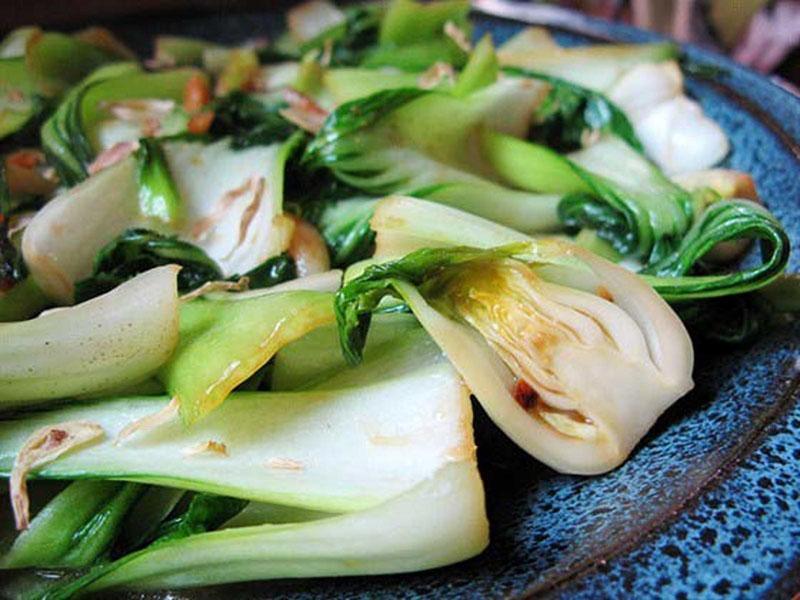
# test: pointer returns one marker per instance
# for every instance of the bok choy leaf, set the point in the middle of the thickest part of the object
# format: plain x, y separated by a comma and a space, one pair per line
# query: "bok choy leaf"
57, 60
289, 448
139, 250
428, 143
424, 444
412, 35
205, 512
609, 187
224, 341
75, 528
571, 114
117, 103
250, 120
440, 521
231, 207
20, 100
480, 71
158, 196
572, 356
403, 225
116, 339
722, 221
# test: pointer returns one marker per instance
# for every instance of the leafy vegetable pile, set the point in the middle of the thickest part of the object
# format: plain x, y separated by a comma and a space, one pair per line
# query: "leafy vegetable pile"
537, 226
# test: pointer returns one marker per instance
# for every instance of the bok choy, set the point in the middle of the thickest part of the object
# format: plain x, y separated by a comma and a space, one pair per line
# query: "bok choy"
438, 522
116, 339
398, 223
417, 468
428, 143
283, 268
223, 341
572, 356
230, 202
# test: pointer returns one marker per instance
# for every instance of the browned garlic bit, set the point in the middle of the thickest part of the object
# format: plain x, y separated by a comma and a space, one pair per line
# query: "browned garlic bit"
308, 250
42, 447
437, 74
286, 464
455, 33
207, 447
112, 155
303, 111
240, 285
149, 422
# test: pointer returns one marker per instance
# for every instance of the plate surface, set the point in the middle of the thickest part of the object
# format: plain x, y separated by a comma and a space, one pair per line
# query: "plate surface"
709, 504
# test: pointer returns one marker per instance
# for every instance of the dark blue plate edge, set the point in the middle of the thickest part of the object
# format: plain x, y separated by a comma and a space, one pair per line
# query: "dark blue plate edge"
789, 389
788, 383
567, 21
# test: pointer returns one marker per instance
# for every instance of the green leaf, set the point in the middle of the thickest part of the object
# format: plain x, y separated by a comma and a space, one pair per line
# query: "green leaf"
415, 57
571, 112
72, 136
158, 195
332, 144
54, 533
345, 226
347, 84
20, 100
57, 60
531, 166
408, 22
359, 298
224, 341
206, 512
271, 272
609, 187
722, 221
97, 535
138, 250
249, 120
481, 69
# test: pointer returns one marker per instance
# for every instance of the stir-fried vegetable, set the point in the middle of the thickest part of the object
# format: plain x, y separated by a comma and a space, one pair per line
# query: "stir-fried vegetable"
225, 341
438, 522
75, 528
223, 406
397, 222
230, 202
428, 144
416, 468
117, 339
116, 104
538, 330
139, 250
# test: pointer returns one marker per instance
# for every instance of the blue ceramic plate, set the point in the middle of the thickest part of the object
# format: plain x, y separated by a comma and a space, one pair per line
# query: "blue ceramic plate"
709, 504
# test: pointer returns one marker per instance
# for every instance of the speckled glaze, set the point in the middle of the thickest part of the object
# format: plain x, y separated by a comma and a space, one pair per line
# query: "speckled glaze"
709, 504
